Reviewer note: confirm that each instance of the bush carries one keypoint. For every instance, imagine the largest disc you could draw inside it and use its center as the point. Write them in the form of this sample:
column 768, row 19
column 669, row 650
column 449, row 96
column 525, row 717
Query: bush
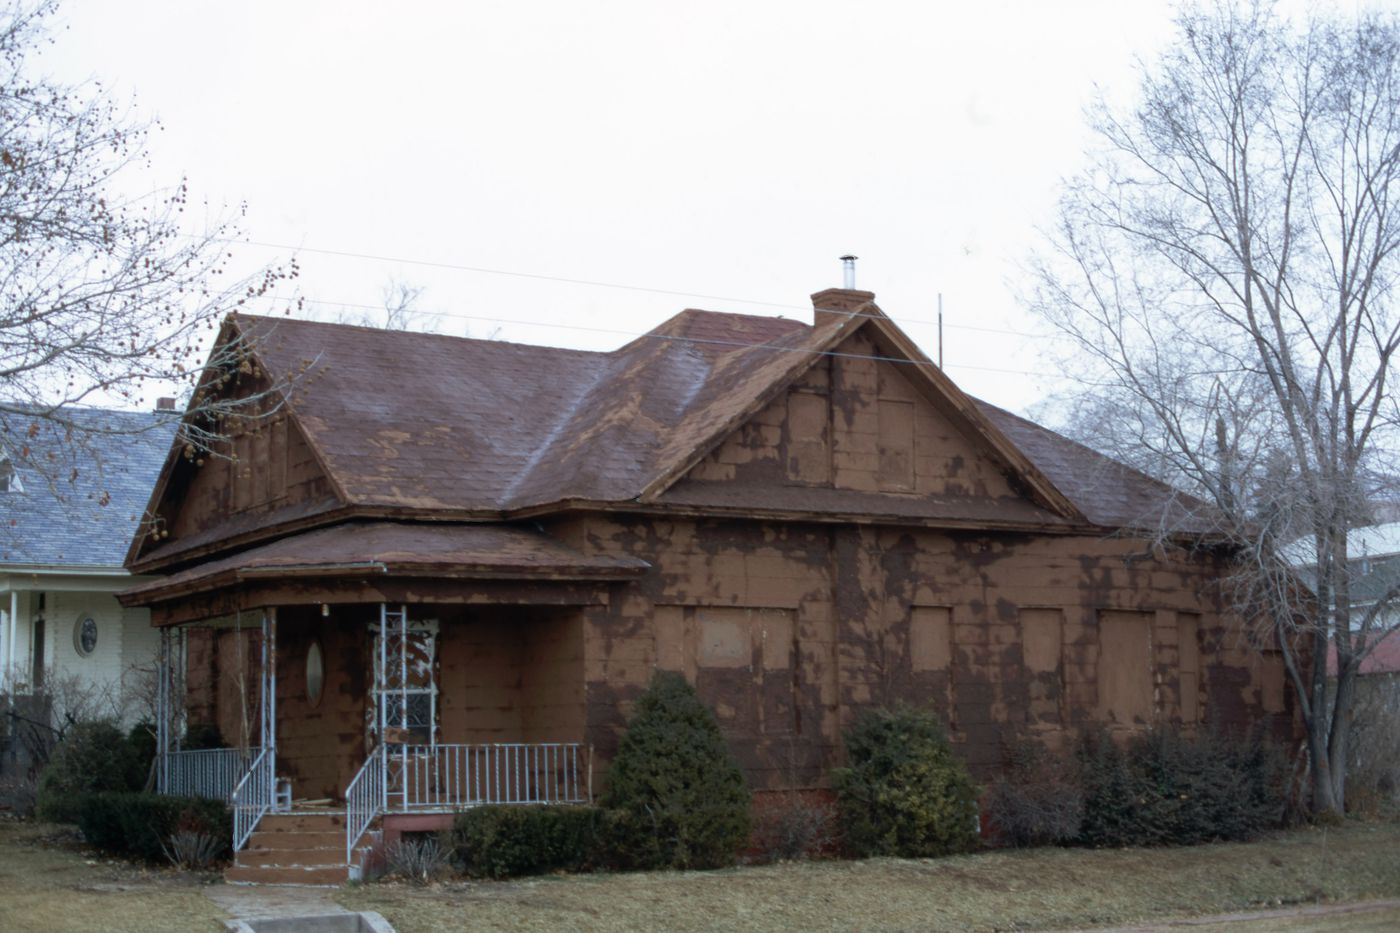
column 1038, row 800
column 93, row 756
column 1373, row 753
column 418, row 858
column 793, row 826
column 505, row 841
column 676, row 797
column 1166, row 789
column 904, row 793
column 142, row 825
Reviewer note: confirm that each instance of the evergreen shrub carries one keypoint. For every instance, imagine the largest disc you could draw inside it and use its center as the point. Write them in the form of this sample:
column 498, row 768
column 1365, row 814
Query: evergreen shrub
column 93, row 756
column 139, row 825
column 1164, row 788
column 675, row 795
column 506, row 841
column 904, row 793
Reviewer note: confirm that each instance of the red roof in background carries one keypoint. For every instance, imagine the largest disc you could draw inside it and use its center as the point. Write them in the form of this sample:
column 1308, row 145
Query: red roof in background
column 1383, row 659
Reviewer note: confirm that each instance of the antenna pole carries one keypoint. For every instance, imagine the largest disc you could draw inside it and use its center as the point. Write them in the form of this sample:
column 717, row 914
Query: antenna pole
column 940, row 330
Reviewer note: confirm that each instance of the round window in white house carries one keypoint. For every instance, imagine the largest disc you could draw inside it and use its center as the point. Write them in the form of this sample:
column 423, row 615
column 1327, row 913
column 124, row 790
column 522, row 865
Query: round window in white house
column 315, row 673
column 85, row 635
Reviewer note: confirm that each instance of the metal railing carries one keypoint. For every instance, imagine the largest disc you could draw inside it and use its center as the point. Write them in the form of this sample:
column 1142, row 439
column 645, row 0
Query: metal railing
column 449, row 777
column 253, row 797
column 207, row 772
column 364, row 800
column 426, row 778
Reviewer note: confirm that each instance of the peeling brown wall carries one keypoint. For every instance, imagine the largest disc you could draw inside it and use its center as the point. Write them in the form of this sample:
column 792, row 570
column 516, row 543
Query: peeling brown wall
column 510, row 675
column 856, row 424
column 790, row 630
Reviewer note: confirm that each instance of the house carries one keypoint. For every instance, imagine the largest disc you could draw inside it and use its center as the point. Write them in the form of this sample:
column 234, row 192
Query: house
column 439, row 570
column 1374, row 565
column 66, row 646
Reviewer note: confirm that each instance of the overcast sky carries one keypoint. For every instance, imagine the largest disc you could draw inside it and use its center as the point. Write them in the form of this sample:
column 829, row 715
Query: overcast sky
column 727, row 151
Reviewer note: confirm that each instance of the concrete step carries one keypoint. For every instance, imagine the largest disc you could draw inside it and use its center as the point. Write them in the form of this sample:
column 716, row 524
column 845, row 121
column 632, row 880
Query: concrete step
column 252, row 874
column 291, row 858
column 295, row 840
column 302, row 823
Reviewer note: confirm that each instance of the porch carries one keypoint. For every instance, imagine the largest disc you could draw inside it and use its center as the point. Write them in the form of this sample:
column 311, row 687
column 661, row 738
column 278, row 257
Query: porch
column 356, row 719
column 377, row 670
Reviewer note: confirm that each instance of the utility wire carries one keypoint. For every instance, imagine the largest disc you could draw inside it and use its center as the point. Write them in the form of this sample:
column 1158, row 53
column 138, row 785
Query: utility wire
column 433, row 264
column 736, row 344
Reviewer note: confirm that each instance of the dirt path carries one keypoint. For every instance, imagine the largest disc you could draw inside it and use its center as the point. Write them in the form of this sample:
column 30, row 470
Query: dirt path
column 1366, row 915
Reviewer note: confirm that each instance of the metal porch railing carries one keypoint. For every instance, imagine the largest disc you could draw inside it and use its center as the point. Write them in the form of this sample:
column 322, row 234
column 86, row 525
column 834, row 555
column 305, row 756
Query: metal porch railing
column 427, row 778
column 207, row 772
column 364, row 800
column 253, row 796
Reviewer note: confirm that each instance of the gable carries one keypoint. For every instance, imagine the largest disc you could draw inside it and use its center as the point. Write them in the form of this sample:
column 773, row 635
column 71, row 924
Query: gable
column 263, row 472
column 860, row 420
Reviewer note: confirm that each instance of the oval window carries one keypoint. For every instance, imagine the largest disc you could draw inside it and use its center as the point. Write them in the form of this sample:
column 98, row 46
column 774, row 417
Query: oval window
column 85, row 635
column 315, row 673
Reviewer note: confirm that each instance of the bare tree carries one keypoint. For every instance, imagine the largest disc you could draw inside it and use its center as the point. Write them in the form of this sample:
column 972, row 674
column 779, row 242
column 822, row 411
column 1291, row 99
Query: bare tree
column 1226, row 266
column 104, row 296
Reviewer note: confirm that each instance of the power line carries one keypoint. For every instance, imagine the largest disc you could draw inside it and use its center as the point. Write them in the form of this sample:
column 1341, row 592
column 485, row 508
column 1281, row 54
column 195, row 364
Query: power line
column 593, row 283
column 693, row 340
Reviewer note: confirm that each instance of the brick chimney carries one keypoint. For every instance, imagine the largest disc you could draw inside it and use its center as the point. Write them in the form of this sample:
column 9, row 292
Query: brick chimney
column 165, row 403
column 839, row 304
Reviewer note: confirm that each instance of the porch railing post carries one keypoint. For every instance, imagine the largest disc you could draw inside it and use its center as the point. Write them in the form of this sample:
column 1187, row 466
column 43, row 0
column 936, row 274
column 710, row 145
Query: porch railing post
column 163, row 715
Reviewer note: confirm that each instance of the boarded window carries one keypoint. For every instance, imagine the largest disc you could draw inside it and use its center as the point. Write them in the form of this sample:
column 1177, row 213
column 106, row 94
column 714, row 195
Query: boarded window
column 1125, row 667
column 930, row 634
column 1188, row 632
column 1042, row 643
column 743, row 663
column 1041, row 637
column 725, row 640
column 1269, row 675
column 809, row 438
column 896, row 444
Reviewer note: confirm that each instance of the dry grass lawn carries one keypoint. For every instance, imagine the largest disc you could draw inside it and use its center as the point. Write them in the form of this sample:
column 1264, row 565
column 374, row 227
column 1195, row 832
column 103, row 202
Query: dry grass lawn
column 1040, row 889
column 49, row 883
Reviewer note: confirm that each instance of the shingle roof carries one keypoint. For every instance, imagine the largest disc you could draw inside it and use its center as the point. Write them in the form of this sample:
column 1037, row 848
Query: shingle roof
column 461, row 428
column 428, row 421
column 81, row 508
column 398, row 548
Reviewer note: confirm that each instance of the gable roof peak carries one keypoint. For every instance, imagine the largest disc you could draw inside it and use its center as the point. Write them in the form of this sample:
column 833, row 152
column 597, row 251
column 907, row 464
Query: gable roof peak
column 841, row 304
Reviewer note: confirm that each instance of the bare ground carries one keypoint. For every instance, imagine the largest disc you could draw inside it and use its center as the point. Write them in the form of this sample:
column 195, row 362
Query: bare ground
column 50, row 882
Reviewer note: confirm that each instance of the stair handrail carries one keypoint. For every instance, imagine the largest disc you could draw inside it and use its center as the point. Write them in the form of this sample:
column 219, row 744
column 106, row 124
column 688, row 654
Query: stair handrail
column 253, row 796
column 366, row 797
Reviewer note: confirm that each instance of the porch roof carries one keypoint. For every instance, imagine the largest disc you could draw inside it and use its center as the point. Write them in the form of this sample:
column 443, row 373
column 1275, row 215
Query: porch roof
column 375, row 548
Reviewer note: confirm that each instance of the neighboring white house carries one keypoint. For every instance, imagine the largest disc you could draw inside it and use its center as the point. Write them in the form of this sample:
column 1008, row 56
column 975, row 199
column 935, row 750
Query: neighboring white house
column 64, row 532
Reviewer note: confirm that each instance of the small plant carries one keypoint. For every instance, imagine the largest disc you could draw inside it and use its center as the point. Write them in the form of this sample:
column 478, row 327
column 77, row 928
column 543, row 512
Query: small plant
column 419, row 858
column 676, row 797
column 192, row 850
column 793, row 826
column 904, row 793
column 1038, row 800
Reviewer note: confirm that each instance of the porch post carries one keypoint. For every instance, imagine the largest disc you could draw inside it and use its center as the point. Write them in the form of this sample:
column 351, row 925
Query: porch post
column 381, row 684
column 163, row 714
column 267, row 685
